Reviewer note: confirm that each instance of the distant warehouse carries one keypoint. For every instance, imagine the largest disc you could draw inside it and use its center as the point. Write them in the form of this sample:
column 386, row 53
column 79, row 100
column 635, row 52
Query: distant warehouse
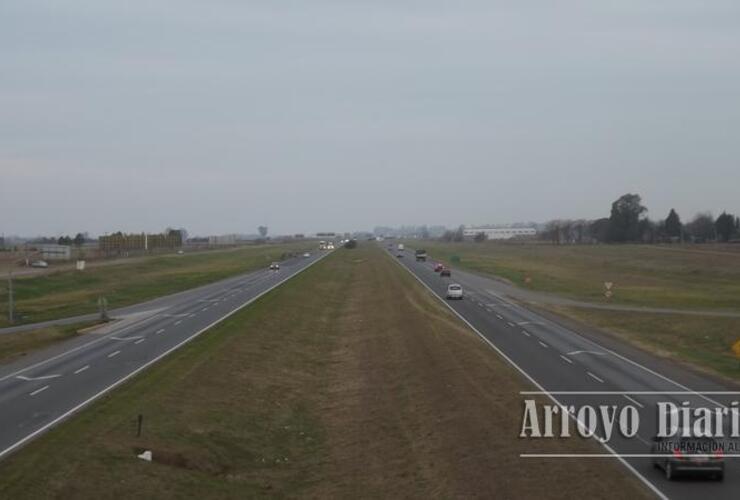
column 118, row 243
column 500, row 233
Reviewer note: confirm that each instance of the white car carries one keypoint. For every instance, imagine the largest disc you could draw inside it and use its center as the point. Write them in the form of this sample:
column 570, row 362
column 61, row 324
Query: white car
column 40, row 263
column 306, row 255
column 454, row 291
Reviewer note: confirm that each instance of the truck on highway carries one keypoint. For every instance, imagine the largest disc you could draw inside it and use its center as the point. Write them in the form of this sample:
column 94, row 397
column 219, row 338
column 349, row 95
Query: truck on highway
column 400, row 247
column 421, row 255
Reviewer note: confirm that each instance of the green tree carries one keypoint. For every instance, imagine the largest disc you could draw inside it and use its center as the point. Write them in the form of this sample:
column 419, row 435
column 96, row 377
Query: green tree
column 263, row 231
column 79, row 239
column 725, row 226
column 702, row 227
column 624, row 221
column 673, row 226
column 480, row 237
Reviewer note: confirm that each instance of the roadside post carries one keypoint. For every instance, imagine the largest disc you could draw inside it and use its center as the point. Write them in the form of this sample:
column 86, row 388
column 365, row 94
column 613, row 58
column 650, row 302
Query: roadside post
column 10, row 298
column 103, row 308
column 608, row 285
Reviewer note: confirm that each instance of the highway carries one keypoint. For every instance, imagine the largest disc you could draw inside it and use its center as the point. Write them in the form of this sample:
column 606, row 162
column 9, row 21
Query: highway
column 579, row 369
column 49, row 386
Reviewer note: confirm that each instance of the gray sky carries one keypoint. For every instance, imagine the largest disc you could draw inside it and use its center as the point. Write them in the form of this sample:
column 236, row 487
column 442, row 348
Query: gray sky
column 338, row 115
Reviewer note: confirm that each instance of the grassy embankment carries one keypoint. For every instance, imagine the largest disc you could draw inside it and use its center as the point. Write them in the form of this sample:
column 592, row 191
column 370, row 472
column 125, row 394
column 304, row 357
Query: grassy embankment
column 679, row 277
column 69, row 293
column 15, row 345
column 349, row 381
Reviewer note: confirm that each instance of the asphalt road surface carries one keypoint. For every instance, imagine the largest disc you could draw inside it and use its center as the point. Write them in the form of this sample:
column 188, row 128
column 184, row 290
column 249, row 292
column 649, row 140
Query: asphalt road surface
column 602, row 370
column 45, row 388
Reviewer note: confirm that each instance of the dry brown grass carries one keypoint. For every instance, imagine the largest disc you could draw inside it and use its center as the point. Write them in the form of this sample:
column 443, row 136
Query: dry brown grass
column 351, row 381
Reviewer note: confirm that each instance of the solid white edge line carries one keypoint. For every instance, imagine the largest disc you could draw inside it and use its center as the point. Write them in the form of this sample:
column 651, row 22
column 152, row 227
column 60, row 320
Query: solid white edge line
column 120, row 381
column 629, row 467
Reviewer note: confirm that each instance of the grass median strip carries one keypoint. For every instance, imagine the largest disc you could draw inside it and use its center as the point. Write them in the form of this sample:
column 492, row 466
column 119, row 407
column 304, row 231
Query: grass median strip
column 350, row 380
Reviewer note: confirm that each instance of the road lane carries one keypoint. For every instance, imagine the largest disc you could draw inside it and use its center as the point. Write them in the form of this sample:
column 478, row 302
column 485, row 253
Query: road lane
column 40, row 392
column 576, row 370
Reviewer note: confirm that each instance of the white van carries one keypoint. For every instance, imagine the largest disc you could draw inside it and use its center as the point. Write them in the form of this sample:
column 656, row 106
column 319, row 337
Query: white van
column 454, row 291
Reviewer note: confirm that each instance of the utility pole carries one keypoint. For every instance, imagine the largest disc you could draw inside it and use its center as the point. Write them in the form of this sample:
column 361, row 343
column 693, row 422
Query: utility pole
column 10, row 297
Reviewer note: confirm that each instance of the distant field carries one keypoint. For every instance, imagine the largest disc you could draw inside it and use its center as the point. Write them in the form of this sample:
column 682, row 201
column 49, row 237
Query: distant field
column 350, row 381
column 69, row 293
column 690, row 277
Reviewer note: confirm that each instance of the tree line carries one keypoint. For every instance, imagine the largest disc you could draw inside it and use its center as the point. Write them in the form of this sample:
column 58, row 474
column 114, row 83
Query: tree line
column 628, row 223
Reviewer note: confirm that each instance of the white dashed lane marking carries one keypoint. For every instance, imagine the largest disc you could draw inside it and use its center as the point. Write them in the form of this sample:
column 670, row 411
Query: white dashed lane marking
column 37, row 391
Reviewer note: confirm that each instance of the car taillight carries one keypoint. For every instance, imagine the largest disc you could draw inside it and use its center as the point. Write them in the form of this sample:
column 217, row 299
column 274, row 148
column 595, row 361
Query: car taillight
column 719, row 453
column 677, row 454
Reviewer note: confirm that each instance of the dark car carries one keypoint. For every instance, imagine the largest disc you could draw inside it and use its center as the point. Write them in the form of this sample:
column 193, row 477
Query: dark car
column 689, row 455
column 446, row 272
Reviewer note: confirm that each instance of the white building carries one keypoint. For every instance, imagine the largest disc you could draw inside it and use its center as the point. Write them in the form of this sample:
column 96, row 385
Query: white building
column 500, row 233
column 224, row 239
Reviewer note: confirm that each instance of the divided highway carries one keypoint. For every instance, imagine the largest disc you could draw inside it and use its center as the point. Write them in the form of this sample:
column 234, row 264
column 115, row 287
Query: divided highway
column 43, row 390
column 575, row 369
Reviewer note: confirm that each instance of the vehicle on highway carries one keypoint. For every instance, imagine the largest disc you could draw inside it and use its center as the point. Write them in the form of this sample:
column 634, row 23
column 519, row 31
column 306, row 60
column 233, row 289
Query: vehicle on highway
column 274, row 266
column 40, row 263
column 438, row 267
column 689, row 455
column 454, row 291
column 421, row 255
column 445, row 272
column 306, row 255
column 399, row 254
column 400, row 247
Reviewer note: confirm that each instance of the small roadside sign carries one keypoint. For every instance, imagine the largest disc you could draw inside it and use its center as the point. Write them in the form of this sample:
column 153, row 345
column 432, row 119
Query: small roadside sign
column 736, row 348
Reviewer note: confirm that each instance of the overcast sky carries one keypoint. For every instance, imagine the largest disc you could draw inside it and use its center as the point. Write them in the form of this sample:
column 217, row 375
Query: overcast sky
column 222, row 115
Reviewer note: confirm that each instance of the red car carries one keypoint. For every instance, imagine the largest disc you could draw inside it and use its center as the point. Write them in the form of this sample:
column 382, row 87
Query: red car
column 438, row 267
